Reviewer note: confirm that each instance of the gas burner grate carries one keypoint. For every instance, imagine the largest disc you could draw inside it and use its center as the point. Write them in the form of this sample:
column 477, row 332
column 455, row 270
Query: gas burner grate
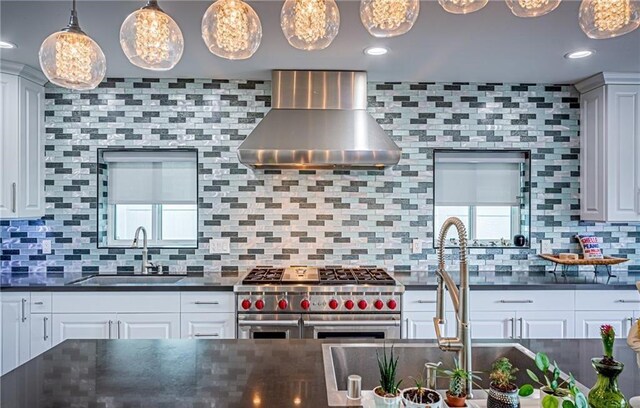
column 336, row 275
column 373, row 275
column 264, row 275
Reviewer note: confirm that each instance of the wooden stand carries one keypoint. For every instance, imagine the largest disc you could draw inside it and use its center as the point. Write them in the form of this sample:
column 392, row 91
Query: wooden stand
column 565, row 264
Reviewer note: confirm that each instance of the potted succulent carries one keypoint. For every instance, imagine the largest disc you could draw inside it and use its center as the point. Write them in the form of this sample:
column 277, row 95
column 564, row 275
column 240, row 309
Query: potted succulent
column 419, row 396
column 503, row 393
column 456, row 394
column 554, row 393
column 387, row 394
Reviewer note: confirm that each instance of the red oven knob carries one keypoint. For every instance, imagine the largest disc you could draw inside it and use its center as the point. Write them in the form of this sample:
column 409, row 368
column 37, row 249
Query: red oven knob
column 362, row 304
column 333, row 304
column 305, row 304
column 259, row 304
column 392, row 304
column 246, row 304
column 282, row 304
column 349, row 304
column 378, row 304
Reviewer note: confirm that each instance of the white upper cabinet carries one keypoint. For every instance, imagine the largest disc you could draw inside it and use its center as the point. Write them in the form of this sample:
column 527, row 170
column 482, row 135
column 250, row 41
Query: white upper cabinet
column 21, row 141
column 610, row 147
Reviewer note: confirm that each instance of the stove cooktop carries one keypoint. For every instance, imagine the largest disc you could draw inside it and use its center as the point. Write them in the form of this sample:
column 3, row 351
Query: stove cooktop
column 319, row 276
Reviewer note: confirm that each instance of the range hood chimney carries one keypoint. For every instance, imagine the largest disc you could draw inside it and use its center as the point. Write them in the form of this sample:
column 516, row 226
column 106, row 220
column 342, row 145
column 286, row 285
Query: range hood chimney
column 318, row 120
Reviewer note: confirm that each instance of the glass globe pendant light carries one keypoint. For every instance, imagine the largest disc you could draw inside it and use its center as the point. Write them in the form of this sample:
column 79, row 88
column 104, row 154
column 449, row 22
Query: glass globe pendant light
column 71, row 59
column 231, row 29
column 608, row 18
column 462, row 6
column 151, row 39
column 310, row 24
column 388, row 18
column 532, row 8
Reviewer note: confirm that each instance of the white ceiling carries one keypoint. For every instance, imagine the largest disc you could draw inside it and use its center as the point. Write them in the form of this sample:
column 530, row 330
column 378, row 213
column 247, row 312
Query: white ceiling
column 491, row 45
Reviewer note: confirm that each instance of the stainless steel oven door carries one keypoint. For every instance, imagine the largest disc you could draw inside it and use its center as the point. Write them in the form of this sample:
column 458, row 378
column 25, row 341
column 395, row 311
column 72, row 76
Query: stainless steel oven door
column 269, row 326
column 350, row 326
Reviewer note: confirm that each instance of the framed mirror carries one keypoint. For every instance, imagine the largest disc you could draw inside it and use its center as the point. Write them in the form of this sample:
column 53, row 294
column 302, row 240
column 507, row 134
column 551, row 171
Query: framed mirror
column 489, row 190
column 153, row 188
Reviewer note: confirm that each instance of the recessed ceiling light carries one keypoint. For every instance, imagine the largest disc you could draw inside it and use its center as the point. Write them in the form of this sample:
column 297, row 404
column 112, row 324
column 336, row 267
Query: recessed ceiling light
column 375, row 51
column 7, row 45
column 579, row 54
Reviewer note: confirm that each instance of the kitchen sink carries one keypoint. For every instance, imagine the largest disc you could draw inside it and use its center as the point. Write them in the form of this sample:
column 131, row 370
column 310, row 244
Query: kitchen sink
column 342, row 360
column 128, row 280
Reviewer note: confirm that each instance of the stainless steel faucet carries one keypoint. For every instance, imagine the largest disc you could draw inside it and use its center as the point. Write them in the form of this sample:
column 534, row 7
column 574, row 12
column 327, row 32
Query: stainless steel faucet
column 146, row 265
column 461, row 343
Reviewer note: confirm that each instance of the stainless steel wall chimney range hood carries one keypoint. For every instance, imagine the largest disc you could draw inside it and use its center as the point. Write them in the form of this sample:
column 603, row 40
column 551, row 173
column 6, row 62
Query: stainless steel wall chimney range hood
column 318, row 120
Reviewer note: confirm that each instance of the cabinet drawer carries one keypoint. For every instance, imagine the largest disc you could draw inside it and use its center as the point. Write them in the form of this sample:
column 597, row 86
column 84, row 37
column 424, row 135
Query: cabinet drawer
column 607, row 300
column 423, row 301
column 516, row 300
column 131, row 302
column 40, row 302
column 194, row 302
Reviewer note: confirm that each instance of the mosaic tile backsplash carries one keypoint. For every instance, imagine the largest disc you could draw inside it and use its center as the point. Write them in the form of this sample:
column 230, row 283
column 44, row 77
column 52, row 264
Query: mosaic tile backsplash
column 307, row 217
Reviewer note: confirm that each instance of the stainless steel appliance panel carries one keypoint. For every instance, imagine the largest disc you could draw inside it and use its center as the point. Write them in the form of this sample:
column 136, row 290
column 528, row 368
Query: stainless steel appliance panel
column 335, row 326
column 269, row 326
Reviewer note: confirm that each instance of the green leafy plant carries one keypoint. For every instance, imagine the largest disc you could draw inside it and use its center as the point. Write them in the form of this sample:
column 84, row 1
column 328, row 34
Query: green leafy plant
column 553, row 386
column 502, row 375
column 421, row 394
column 388, row 366
column 457, row 378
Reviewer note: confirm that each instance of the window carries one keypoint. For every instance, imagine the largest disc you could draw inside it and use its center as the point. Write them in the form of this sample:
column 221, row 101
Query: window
column 156, row 189
column 487, row 190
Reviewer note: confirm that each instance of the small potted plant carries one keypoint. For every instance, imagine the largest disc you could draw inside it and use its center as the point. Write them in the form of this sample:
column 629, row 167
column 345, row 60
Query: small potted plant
column 387, row 394
column 456, row 394
column 419, row 396
column 605, row 393
column 554, row 392
column 503, row 393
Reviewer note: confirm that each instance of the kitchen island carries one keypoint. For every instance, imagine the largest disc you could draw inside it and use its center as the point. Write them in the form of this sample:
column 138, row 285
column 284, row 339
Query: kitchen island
column 221, row 373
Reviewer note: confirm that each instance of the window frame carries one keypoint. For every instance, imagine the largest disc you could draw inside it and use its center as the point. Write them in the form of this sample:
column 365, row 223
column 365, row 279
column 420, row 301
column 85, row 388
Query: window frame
column 152, row 242
column 525, row 201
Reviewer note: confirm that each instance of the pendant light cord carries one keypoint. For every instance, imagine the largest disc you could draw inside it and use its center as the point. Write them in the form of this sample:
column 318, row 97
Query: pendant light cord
column 73, row 20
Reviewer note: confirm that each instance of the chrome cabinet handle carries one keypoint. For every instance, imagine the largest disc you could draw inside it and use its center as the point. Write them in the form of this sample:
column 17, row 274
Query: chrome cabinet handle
column 268, row 322
column 206, row 335
column 46, row 336
column 38, row 303
column 14, row 206
column 199, row 302
column 110, row 324
column 118, row 328
column 627, row 301
column 352, row 323
column 23, row 308
column 521, row 327
column 513, row 328
column 516, row 301
column 425, row 301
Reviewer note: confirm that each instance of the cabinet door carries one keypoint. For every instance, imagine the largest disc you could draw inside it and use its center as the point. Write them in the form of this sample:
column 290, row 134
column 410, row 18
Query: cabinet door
column 148, row 326
column 592, row 155
column 588, row 323
column 208, row 326
column 419, row 325
column 83, row 326
column 546, row 325
column 492, row 325
column 40, row 333
column 9, row 146
column 14, row 337
column 31, row 159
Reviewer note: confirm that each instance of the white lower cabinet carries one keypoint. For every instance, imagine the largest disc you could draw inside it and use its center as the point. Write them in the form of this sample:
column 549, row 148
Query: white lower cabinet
column 419, row 325
column 148, row 326
column 492, row 325
column 83, row 326
column 545, row 325
column 588, row 322
column 14, row 336
column 208, row 326
column 41, row 339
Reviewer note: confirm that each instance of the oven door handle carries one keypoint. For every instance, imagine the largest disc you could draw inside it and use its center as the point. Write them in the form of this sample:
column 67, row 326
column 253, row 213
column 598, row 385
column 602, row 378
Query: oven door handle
column 351, row 323
column 268, row 322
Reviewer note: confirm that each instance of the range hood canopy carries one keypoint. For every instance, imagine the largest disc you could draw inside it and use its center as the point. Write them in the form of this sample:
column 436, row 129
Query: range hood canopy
column 318, row 120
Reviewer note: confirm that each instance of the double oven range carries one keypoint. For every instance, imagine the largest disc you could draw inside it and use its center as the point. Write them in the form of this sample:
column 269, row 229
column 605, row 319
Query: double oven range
column 318, row 303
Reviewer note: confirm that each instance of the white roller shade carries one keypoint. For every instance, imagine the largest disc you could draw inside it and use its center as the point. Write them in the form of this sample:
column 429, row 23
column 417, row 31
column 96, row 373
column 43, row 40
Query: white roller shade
column 478, row 183
column 154, row 177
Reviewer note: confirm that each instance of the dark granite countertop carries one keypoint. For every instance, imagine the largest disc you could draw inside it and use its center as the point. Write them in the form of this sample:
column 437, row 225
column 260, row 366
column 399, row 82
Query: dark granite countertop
column 428, row 281
column 219, row 373
column 197, row 282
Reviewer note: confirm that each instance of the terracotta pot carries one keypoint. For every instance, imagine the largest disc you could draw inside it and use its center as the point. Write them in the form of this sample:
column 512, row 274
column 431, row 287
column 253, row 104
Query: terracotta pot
column 454, row 401
column 385, row 402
